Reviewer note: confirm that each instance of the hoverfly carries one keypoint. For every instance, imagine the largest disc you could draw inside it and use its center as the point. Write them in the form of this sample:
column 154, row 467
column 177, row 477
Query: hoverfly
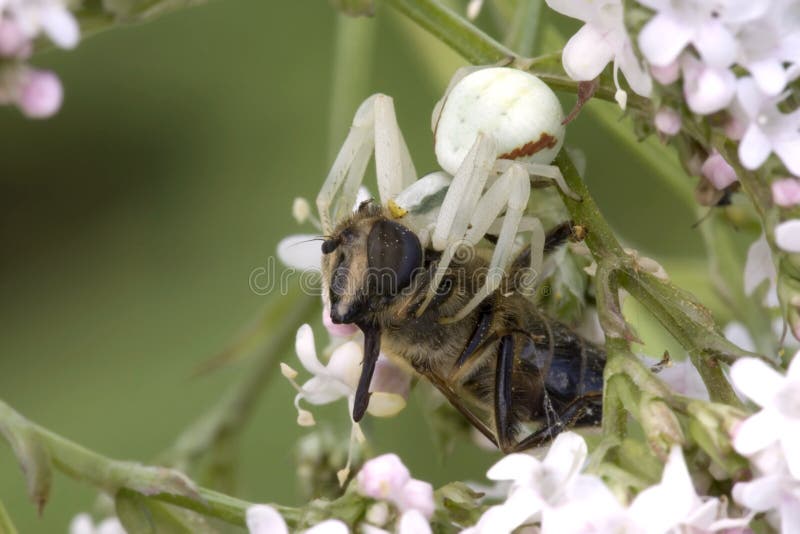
column 402, row 272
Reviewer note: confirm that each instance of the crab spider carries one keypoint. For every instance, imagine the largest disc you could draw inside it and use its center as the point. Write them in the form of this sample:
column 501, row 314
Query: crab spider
column 496, row 130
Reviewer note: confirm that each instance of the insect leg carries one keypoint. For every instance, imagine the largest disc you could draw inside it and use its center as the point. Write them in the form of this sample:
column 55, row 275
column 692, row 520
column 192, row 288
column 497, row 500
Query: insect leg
column 504, row 423
column 551, row 173
column 574, row 411
column 456, row 402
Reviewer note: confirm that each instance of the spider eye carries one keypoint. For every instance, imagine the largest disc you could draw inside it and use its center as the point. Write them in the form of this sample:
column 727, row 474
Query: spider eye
column 329, row 245
column 393, row 253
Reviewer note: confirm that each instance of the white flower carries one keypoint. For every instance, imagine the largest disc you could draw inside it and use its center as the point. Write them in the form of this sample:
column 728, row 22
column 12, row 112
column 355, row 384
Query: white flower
column 601, row 40
column 336, row 380
column 768, row 129
column 673, row 504
column 83, row 524
column 769, row 42
column 535, row 484
column 706, row 25
column 707, row 89
column 386, row 478
column 44, row 16
column 413, row 522
column 779, row 419
column 775, row 492
column 787, row 235
column 383, row 477
column 758, row 268
column 264, row 519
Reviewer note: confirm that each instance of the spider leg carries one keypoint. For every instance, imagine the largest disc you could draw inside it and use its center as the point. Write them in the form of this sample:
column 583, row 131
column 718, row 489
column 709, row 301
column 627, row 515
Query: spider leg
column 550, row 173
column 374, row 128
column 458, row 204
column 510, row 191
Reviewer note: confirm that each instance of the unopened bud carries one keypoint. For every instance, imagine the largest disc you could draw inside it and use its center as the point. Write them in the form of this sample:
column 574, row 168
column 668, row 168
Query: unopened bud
column 661, row 426
column 378, row 514
column 301, row 210
column 667, row 121
column 786, row 192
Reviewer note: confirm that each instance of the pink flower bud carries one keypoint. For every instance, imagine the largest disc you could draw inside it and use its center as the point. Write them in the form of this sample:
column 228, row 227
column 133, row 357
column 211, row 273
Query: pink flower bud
column 13, row 42
column 718, row 171
column 336, row 330
column 667, row 74
column 667, row 121
column 40, row 94
column 383, row 477
column 417, row 495
column 786, row 192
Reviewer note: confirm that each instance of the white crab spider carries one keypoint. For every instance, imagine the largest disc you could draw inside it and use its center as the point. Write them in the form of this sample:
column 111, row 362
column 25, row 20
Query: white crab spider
column 495, row 130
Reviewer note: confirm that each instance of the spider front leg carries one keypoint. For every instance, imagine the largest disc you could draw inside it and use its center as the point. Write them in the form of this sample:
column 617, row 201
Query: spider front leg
column 374, row 128
column 510, row 192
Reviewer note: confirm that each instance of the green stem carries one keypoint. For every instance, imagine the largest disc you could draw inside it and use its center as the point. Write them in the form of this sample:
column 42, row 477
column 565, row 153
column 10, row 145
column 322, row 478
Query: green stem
column 109, row 475
column 480, row 49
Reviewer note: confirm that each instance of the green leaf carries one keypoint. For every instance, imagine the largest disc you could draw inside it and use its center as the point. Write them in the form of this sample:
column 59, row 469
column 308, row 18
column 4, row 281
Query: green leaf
column 31, row 454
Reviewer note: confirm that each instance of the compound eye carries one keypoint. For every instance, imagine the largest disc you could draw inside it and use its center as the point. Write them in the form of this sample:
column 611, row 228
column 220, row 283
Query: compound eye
column 394, row 253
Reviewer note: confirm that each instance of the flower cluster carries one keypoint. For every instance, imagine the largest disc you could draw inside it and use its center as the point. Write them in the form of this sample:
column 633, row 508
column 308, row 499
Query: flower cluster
column 771, row 440
column 37, row 93
column 555, row 494
column 384, row 479
column 735, row 59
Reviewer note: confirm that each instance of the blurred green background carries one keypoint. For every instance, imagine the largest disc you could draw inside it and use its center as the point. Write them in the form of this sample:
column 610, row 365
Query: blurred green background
column 129, row 225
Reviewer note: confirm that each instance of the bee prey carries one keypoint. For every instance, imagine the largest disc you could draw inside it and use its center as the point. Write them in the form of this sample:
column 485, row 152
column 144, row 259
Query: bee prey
column 406, row 274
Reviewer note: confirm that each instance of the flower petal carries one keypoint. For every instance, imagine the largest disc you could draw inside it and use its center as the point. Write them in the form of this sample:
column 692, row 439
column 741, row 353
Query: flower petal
column 789, row 152
column 81, row 524
column 516, row 466
column 749, row 96
column 637, row 76
column 757, row 432
column 385, row 404
column 413, row 522
column 60, row 26
column 756, row 380
column 417, row 495
column 716, row 44
column 755, row 147
column 329, row 526
column 759, row 267
column 787, row 235
column 663, row 38
column 300, row 251
column 566, row 456
column 790, row 441
column 306, row 351
column 708, row 89
column 586, row 54
column 759, row 494
column 264, row 519
column 769, row 74
column 789, row 509
column 345, row 363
